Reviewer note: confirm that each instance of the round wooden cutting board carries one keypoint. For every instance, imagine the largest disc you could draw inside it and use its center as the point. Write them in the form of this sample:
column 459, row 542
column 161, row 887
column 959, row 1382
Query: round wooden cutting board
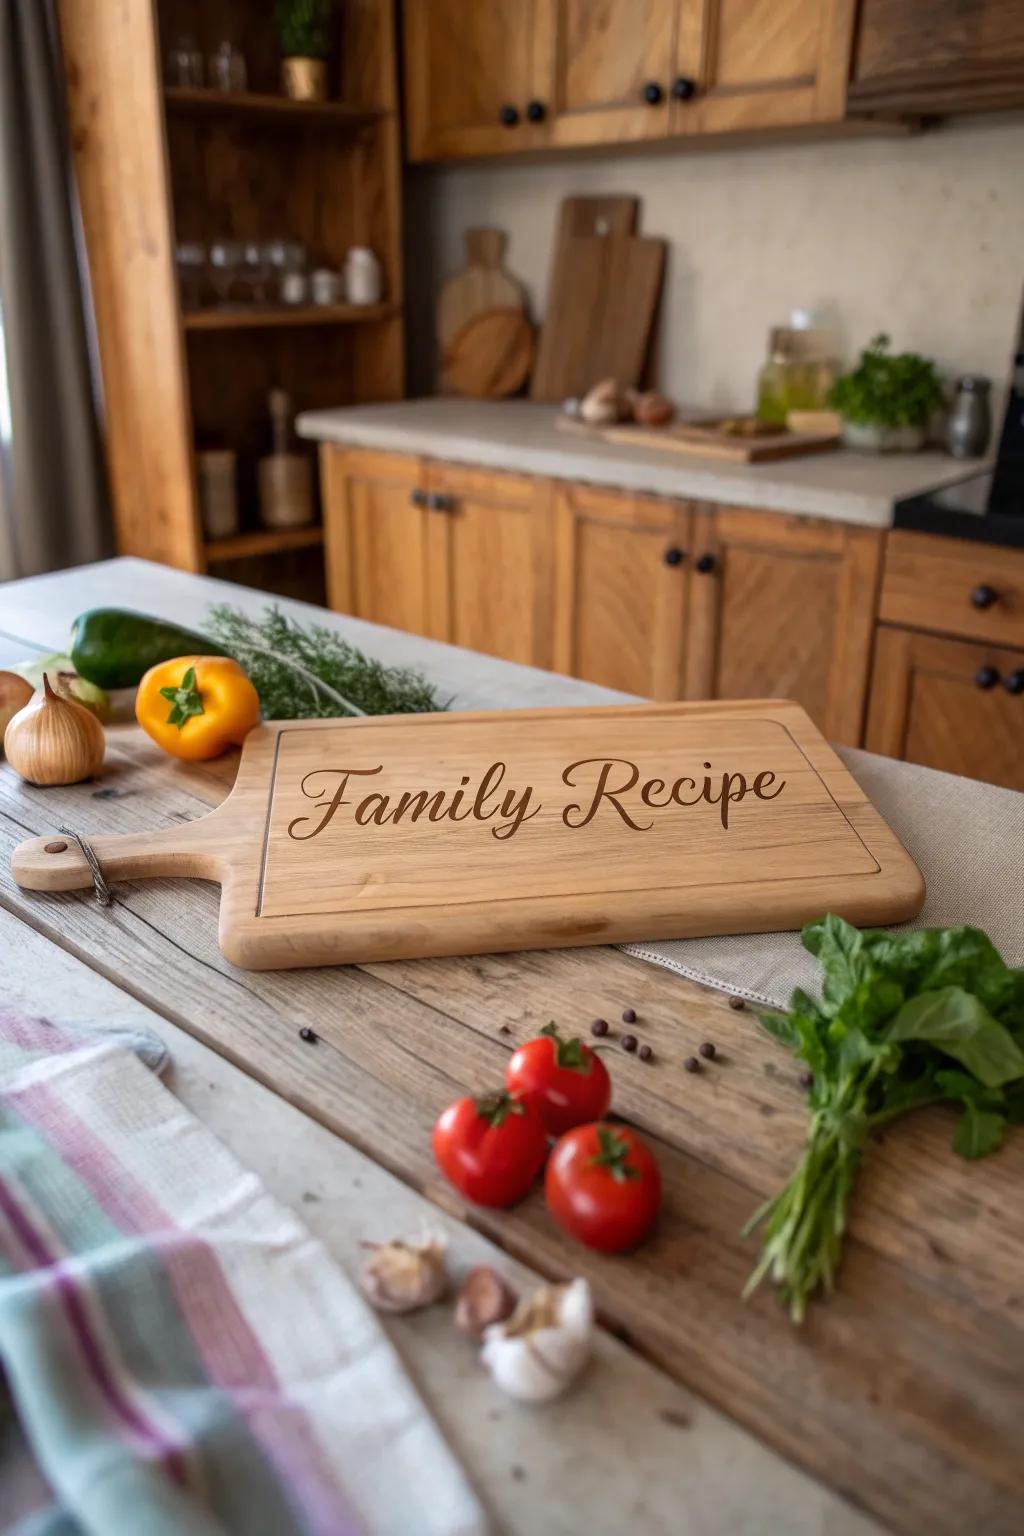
column 491, row 357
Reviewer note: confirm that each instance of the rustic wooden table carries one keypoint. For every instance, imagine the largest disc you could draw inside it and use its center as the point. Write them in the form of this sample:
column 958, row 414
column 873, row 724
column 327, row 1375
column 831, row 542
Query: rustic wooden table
column 902, row 1395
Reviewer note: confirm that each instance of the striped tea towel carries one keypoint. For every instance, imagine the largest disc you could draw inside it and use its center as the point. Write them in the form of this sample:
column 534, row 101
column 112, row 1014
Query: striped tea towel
column 183, row 1357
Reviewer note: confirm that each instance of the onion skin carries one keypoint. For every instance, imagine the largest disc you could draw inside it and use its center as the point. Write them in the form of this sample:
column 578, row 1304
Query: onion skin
column 54, row 741
column 15, row 692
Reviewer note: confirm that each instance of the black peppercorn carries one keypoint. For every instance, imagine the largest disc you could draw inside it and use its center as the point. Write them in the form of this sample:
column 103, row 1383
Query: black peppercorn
column 628, row 1042
column 737, row 1002
column 309, row 1035
column 691, row 1064
column 629, row 1015
column 707, row 1050
column 599, row 1027
column 645, row 1053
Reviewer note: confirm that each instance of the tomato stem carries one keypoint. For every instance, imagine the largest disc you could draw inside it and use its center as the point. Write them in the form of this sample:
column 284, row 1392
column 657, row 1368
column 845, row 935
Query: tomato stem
column 495, row 1108
column 615, row 1149
column 572, row 1054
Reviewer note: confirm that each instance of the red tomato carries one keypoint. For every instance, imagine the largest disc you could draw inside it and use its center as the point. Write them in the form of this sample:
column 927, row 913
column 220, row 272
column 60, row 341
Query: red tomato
column 564, row 1078
column 491, row 1149
column 603, row 1186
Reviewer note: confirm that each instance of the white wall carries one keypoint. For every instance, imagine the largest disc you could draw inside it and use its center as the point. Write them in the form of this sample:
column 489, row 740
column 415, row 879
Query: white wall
column 922, row 237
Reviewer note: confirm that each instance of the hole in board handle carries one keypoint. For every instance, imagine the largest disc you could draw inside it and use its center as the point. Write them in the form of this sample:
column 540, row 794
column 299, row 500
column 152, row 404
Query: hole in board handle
column 56, row 848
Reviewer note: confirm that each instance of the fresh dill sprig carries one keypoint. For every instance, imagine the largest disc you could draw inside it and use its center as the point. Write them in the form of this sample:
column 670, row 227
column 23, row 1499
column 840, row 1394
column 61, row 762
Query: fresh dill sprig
column 312, row 673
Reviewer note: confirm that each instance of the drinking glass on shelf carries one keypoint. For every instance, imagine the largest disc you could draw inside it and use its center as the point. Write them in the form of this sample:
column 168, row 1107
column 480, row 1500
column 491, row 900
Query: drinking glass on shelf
column 227, row 68
column 185, row 63
column 287, row 262
column 191, row 262
column 255, row 271
column 226, row 258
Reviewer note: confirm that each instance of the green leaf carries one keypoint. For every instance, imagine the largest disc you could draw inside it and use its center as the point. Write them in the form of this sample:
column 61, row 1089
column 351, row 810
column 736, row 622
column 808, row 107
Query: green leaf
column 185, row 700
column 840, row 949
column 979, row 1132
column 779, row 1025
column 959, row 1025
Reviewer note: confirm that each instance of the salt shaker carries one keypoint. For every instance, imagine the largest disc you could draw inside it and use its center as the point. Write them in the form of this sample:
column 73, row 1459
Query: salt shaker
column 363, row 281
column 970, row 418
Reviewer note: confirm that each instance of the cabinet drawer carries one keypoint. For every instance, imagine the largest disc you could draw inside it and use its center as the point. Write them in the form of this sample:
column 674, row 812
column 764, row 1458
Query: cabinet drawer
column 955, row 587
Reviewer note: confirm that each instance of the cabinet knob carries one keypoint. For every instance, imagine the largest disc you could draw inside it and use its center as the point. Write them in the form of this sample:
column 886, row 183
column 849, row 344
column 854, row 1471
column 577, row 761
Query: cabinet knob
column 683, row 88
column 986, row 677
column 653, row 93
column 705, row 564
column 438, row 503
column 536, row 111
column 1013, row 682
column 983, row 596
column 418, row 497
column 674, row 556
column 508, row 117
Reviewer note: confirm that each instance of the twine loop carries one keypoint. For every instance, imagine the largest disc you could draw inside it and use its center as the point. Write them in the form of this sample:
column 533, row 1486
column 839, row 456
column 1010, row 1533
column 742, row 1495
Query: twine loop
column 100, row 886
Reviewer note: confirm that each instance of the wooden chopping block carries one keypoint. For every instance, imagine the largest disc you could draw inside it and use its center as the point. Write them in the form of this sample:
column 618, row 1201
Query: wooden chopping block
column 491, row 357
column 600, row 326
column 482, row 286
column 579, row 216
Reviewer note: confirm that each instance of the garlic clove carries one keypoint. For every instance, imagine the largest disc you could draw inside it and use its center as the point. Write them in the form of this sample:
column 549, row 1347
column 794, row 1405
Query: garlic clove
column 53, row 740
column 543, row 1347
column 15, row 693
column 485, row 1297
column 405, row 1274
column 601, row 405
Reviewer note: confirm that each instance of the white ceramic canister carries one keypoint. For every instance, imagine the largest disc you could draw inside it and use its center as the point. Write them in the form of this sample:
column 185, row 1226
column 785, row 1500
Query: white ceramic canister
column 363, row 276
column 325, row 286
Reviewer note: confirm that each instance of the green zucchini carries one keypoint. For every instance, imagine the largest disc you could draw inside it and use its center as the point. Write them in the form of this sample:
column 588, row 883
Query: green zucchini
column 115, row 647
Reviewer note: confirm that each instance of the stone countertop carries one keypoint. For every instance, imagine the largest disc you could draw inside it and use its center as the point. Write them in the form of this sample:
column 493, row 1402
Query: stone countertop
column 520, row 436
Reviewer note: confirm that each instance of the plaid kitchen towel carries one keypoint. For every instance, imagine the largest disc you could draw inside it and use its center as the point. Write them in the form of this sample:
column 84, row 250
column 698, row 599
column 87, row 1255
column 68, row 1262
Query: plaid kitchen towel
column 184, row 1358
column 966, row 838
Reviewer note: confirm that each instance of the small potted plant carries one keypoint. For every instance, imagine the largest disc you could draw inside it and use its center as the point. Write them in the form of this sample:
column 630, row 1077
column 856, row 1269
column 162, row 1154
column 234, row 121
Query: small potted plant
column 304, row 28
column 887, row 402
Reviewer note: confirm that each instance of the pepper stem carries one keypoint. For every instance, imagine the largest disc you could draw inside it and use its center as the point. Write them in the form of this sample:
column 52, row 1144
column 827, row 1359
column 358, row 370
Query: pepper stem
column 185, row 700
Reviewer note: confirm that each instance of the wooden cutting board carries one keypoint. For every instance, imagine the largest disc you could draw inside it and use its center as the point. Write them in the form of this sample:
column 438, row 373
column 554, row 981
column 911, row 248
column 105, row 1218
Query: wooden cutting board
column 483, row 285
column 580, row 218
column 710, row 441
column 463, row 833
column 491, row 356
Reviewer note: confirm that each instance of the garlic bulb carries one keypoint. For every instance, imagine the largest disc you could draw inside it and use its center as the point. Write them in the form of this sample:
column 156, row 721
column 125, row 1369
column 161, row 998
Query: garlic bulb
column 405, row 1274
column 15, row 693
column 485, row 1297
column 53, row 741
column 544, row 1345
column 601, row 405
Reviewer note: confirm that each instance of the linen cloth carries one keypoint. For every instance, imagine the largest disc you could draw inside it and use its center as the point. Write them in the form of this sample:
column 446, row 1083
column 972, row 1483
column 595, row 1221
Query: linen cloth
column 966, row 838
column 184, row 1357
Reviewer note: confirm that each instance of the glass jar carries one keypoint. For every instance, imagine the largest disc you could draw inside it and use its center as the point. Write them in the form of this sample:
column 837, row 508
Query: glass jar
column 970, row 418
column 227, row 68
column 185, row 63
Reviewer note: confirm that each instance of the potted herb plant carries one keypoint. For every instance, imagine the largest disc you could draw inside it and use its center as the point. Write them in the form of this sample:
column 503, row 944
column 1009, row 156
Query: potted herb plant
column 304, row 28
column 887, row 401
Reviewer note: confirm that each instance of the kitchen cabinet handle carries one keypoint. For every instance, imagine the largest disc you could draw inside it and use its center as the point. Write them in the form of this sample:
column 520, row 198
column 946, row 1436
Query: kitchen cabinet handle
column 653, row 93
column 983, row 596
column 418, row 497
column 438, row 503
column 986, row 677
column 536, row 111
column 508, row 117
column 683, row 88
column 674, row 556
column 1013, row 682
column 705, row 564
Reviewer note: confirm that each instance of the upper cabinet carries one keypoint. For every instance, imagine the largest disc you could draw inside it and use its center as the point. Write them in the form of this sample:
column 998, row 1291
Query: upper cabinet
column 534, row 74
column 938, row 56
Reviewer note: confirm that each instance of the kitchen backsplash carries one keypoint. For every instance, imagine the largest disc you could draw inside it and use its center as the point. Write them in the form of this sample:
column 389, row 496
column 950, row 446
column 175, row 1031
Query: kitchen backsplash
column 920, row 236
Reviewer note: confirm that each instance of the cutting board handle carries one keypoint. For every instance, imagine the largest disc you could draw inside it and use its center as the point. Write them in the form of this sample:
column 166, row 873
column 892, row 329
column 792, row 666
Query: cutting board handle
column 56, row 863
column 485, row 247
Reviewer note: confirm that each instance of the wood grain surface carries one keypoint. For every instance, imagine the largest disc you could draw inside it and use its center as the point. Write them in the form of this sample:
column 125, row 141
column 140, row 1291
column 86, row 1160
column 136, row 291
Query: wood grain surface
column 903, row 1391
column 709, row 441
column 491, row 356
column 482, row 285
column 476, row 832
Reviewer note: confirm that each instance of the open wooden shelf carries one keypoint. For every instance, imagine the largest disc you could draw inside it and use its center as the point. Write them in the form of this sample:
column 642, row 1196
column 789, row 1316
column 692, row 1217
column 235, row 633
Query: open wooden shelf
column 263, row 541
column 286, row 315
column 263, row 107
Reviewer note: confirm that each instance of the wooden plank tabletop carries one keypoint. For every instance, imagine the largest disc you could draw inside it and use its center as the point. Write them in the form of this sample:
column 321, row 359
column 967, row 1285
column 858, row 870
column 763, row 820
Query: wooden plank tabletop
column 903, row 1392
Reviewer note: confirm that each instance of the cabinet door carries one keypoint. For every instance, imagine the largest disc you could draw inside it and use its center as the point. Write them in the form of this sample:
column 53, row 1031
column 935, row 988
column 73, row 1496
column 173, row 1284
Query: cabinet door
column 761, row 64
column 609, row 69
column 490, row 562
column 938, row 55
column 784, row 607
column 375, row 537
column 468, row 64
column 949, row 704
column 622, row 573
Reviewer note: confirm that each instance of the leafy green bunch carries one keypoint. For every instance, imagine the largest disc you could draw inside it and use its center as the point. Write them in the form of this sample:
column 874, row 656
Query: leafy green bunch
column 888, row 391
column 304, row 28
column 904, row 1020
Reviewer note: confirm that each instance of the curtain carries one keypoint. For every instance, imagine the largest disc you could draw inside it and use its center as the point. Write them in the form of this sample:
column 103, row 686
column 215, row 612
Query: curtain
column 53, row 499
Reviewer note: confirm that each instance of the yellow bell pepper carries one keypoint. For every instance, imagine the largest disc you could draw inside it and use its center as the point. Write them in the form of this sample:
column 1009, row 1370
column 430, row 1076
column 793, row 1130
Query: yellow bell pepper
column 197, row 707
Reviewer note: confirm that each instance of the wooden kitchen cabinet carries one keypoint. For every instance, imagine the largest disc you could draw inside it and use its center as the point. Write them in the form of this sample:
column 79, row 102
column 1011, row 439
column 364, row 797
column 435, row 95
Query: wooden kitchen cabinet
column 622, row 574
column 375, row 538
column 951, row 704
column 937, row 56
column 783, row 607
column 607, row 69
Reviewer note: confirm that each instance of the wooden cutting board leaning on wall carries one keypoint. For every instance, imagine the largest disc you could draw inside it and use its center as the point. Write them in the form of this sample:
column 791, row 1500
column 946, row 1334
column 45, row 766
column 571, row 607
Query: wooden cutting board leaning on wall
column 465, row 833
column 482, row 286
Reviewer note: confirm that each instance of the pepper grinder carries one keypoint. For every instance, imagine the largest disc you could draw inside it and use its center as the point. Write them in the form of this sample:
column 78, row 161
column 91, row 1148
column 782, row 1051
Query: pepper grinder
column 285, row 478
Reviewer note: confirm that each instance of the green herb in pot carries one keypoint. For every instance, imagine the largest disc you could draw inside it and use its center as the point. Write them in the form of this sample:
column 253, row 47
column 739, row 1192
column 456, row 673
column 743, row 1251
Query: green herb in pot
column 888, row 392
column 904, row 1020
